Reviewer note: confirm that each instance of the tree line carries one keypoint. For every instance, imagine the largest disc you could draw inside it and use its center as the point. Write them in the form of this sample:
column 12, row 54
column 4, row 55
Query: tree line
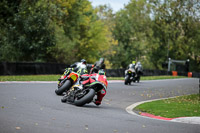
column 65, row 31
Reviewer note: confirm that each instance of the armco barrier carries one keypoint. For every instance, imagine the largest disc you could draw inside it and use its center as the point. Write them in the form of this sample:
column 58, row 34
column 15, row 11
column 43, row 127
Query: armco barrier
column 195, row 74
column 147, row 72
column 121, row 72
column 20, row 68
column 115, row 72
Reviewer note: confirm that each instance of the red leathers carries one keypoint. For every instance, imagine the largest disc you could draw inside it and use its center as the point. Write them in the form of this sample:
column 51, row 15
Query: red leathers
column 92, row 78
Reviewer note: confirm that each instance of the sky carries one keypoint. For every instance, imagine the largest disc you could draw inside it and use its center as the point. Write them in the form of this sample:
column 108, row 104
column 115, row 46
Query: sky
column 116, row 5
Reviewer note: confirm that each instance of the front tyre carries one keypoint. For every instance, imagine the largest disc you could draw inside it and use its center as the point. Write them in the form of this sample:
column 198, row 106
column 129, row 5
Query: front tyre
column 66, row 86
column 127, row 78
column 87, row 98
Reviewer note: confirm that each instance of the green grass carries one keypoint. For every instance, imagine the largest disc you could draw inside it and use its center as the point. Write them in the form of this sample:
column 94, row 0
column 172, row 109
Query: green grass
column 30, row 78
column 55, row 78
column 183, row 106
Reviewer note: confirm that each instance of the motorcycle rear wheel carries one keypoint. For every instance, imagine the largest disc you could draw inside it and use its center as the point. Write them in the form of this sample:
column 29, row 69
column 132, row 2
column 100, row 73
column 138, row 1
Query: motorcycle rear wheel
column 66, row 86
column 85, row 99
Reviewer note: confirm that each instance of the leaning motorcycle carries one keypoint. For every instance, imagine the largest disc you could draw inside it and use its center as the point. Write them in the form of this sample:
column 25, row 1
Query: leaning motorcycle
column 130, row 76
column 68, row 79
column 80, row 95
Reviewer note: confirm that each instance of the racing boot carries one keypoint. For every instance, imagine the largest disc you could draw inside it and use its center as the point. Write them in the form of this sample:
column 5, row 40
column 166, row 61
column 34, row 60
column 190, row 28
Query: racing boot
column 64, row 99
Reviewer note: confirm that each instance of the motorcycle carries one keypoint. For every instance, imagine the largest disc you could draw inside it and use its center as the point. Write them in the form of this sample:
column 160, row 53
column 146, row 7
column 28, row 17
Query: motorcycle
column 133, row 73
column 68, row 79
column 129, row 76
column 80, row 95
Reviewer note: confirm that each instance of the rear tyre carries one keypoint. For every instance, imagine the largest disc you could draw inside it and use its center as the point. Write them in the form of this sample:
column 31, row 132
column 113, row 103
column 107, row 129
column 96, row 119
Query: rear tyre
column 85, row 99
column 66, row 86
column 138, row 79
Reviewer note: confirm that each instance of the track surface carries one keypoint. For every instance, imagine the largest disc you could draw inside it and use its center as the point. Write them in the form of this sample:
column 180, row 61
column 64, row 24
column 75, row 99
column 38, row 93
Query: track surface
column 35, row 108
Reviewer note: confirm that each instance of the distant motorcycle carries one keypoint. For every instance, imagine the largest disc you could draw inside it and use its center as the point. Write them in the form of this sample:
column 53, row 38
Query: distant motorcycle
column 139, row 71
column 130, row 76
column 79, row 95
column 133, row 74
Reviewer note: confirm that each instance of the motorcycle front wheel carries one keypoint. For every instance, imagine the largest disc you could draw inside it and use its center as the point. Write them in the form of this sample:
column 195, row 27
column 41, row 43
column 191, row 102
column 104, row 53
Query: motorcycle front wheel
column 66, row 86
column 87, row 98
column 127, row 78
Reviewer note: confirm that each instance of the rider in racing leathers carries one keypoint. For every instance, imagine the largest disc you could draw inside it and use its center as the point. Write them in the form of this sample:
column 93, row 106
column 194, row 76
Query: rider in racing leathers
column 75, row 67
column 89, row 78
column 98, row 65
column 92, row 77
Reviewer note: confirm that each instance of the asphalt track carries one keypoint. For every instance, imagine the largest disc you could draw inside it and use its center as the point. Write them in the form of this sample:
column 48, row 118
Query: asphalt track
column 33, row 107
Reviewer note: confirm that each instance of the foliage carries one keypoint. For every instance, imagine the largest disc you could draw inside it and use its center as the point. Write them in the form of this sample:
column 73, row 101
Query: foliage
column 176, row 26
column 66, row 31
column 84, row 35
column 132, row 26
column 153, row 31
column 28, row 33
column 105, row 15
column 58, row 31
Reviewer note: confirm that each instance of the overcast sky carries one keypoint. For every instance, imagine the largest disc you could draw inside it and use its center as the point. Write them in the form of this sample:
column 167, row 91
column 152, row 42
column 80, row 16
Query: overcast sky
column 116, row 5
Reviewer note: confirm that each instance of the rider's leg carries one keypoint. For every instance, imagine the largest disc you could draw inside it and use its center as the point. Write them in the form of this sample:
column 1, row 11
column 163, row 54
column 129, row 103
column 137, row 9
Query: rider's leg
column 100, row 96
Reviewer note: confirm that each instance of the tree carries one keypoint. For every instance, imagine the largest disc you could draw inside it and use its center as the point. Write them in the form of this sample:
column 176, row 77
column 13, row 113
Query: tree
column 132, row 26
column 174, row 23
column 28, row 33
column 106, row 16
column 86, row 36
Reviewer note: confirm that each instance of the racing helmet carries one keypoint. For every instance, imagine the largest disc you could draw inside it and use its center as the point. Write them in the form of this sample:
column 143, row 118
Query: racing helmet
column 83, row 61
column 101, row 60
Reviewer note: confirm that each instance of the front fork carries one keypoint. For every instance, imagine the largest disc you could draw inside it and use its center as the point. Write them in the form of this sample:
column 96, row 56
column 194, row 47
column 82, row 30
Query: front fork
column 63, row 77
column 70, row 95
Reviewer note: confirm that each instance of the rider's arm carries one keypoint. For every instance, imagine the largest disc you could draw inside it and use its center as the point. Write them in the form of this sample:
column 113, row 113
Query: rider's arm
column 89, row 65
column 103, row 66
column 73, row 65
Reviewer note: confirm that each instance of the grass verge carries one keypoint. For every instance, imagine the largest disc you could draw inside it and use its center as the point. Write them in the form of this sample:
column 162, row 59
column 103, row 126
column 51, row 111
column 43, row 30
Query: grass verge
column 55, row 78
column 30, row 78
column 182, row 106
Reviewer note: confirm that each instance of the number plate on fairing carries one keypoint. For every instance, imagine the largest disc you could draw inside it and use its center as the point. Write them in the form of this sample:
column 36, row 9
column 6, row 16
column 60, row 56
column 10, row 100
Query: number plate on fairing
column 73, row 77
